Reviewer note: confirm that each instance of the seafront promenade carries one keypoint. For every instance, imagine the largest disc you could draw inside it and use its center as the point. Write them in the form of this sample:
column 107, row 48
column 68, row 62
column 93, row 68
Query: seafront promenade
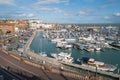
column 53, row 63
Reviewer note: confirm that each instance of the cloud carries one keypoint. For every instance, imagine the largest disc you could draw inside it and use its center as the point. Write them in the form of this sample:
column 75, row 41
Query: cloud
column 45, row 9
column 117, row 14
column 26, row 15
column 67, row 14
column 30, row 15
column 45, row 5
column 50, row 2
column 82, row 13
column 55, row 10
column 7, row 3
column 21, row 15
column 106, row 17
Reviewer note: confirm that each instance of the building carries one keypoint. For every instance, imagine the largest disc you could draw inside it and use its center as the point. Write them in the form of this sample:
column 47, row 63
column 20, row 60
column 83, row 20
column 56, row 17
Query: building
column 22, row 24
column 47, row 26
column 7, row 28
column 35, row 24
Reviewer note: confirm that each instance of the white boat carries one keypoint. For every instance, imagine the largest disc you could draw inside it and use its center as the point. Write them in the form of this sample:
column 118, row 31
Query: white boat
column 55, row 40
column 89, row 38
column 63, row 44
column 91, row 63
column 64, row 57
column 43, row 54
column 97, row 48
column 70, row 40
column 44, row 36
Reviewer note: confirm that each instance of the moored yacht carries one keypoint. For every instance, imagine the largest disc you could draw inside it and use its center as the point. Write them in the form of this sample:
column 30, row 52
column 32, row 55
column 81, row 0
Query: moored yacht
column 91, row 63
column 97, row 48
column 57, row 39
column 63, row 45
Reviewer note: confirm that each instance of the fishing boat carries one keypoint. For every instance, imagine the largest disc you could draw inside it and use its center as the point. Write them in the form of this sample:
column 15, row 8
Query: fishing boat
column 91, row 63
column 64, row 57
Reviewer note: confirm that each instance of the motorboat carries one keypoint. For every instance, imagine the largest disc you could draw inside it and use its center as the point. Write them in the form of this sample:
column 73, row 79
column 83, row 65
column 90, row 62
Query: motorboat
column 63, row 45
column 91, row 63
column 64, row 57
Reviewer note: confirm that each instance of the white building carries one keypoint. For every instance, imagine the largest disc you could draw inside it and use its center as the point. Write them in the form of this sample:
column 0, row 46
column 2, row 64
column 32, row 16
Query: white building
column 35, row 24
column 47, row 26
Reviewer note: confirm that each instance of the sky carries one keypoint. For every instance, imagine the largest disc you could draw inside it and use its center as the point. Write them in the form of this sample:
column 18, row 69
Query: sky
column 62, row 11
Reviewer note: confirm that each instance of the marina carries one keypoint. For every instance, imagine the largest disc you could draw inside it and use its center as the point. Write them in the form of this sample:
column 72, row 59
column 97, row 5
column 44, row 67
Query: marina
column 81, row 53
column 60, row 40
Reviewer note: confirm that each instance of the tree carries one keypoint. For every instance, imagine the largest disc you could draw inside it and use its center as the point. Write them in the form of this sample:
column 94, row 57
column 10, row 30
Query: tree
column 8, row 32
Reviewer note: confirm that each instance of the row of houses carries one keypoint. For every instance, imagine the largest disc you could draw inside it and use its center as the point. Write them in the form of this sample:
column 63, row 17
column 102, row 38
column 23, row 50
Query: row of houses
column 13, row 26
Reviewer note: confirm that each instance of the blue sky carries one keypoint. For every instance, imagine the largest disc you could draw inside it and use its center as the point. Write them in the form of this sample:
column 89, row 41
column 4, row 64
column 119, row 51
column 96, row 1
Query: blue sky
column 62, row 11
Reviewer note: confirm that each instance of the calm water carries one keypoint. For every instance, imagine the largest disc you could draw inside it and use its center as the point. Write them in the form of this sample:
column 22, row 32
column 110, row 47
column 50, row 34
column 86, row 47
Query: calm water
column 109, row 56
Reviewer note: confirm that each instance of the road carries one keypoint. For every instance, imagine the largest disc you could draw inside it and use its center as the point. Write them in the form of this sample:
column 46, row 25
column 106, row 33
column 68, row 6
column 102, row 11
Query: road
column 8, row 61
